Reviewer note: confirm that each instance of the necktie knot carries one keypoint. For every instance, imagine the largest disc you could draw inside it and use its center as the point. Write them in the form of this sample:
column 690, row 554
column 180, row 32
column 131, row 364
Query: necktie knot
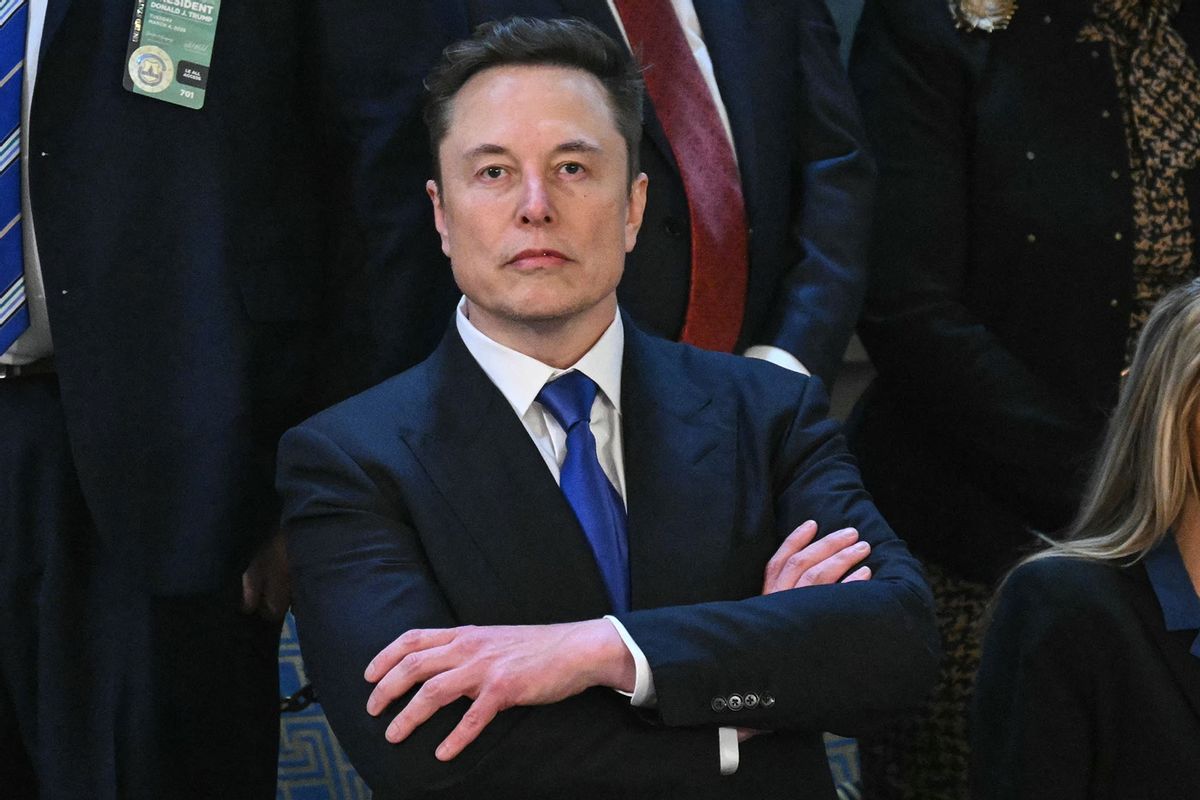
column 569, row 399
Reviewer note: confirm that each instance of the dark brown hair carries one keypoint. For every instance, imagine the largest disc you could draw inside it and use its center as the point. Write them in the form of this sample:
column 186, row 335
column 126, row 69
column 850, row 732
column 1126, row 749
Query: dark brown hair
column 573, row 43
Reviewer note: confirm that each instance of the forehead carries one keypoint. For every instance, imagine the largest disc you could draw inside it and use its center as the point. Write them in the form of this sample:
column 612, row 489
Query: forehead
column 515, row 102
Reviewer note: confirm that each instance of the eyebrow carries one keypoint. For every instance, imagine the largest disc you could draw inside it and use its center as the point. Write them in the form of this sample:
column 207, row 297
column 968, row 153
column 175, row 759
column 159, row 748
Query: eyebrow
column 570, row 146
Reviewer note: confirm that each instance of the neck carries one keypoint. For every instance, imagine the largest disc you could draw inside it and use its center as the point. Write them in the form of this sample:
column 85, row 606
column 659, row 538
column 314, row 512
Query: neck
column 559, row 341
column 1187, row 536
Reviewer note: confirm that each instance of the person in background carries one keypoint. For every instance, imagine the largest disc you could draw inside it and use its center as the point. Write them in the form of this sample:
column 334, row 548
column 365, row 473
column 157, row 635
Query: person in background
column 760, row 188
column 1090, row 680
column 162, row 274
column 556, row 505
column 1037, row 195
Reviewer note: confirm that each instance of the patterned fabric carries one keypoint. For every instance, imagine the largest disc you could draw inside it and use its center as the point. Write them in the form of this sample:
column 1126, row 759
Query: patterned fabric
column 716, row 207
column 14, row 313
column 927, row 758
column 1159, row 89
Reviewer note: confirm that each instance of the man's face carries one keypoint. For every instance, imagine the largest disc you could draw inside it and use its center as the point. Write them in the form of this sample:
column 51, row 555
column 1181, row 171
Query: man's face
column 535, row 210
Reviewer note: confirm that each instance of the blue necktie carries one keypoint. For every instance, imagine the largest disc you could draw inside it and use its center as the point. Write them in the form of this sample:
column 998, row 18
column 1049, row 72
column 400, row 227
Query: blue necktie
column 589, row 493
column 14, row 314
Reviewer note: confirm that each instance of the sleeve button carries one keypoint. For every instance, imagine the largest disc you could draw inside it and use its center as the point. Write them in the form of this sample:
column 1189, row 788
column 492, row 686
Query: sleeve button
column 735, row 702
column 719, row 704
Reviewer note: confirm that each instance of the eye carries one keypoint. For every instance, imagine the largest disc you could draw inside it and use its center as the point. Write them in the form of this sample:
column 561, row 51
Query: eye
column 572, row 168
column 492, row 173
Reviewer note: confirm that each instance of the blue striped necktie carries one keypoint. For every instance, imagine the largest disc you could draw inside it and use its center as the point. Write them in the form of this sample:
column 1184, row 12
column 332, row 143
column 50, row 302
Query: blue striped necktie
column 591, row 496
column 14, row 314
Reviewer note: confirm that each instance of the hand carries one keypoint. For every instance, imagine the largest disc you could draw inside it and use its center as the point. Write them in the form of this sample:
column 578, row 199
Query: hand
column 498, row 667
column 800, row 561
column 266, row 586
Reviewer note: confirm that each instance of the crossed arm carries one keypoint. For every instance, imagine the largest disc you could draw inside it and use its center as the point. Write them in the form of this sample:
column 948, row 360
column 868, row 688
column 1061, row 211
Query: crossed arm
column 503, row 666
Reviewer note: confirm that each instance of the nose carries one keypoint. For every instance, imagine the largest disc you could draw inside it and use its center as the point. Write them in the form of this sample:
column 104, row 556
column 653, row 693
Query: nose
column 536, row 208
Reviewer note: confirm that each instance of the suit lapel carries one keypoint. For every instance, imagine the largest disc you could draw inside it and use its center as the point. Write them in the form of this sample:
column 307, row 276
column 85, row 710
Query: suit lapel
column 56, row 10
column 1175, row 646
column 513, row 514
column 680, row 453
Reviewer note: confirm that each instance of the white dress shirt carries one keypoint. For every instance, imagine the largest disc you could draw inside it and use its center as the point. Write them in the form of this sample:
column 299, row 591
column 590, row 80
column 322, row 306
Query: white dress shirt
column 519, row 378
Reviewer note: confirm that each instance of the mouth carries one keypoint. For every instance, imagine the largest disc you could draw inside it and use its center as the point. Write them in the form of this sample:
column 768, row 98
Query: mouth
column 537, row 258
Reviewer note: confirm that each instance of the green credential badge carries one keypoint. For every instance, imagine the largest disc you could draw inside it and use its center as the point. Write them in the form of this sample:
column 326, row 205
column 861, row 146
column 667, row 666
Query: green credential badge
column 170, row 49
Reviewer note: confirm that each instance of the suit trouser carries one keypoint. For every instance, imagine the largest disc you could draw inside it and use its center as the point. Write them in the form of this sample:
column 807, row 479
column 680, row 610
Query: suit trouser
column 107, row 691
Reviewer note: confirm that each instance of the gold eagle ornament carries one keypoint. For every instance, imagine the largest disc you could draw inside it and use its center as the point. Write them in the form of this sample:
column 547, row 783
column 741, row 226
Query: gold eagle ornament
column 982, row 15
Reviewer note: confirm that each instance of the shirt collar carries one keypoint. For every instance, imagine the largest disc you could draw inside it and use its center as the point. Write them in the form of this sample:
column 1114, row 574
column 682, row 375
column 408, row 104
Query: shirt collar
column 1173, row 587
column 520, row 377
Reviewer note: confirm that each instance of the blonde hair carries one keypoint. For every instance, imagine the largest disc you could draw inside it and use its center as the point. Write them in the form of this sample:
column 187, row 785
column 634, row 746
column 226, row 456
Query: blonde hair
column 1146, row 468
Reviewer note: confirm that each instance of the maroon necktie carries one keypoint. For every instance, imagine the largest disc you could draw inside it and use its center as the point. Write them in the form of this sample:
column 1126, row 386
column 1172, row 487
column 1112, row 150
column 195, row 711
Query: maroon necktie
column 716, row 209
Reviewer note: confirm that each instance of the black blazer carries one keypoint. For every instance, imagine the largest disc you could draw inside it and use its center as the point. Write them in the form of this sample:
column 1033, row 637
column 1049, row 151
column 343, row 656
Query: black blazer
column 1001, row 271
column 806, row 178
column 1082, row 692
column 423, row 503
column 182, row 256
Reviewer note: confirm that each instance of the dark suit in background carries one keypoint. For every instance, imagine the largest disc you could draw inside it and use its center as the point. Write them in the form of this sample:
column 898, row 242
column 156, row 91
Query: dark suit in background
column 1001, row 272
column 805, row 177
column 181, row 252
column 423, row 503
column 1002, row 284
column 1083, row 692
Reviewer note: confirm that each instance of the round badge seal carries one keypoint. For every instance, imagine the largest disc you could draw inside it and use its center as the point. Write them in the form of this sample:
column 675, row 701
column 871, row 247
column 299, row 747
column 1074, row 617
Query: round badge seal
column 151, row 69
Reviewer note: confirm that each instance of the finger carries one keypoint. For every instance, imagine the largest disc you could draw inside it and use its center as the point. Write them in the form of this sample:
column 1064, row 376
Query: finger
column 250, row 592
column 437, row 693
column 814, row 554
column 417, row 666
column 834, row 568
column 481, row 712
column 861, row 574
column 797, row 540
column 410, row 641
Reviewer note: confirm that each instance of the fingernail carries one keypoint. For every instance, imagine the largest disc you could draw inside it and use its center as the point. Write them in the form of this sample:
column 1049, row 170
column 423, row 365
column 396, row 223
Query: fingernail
column 862, row 546
column 441, row 752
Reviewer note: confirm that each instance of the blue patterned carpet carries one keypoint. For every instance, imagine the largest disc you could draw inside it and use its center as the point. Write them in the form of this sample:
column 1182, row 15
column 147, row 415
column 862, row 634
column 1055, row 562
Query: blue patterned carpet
column 313, row 767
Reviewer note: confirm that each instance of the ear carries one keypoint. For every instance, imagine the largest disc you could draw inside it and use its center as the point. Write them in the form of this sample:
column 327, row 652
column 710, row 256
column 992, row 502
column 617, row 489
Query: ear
column 635, row 211
column 439, row 214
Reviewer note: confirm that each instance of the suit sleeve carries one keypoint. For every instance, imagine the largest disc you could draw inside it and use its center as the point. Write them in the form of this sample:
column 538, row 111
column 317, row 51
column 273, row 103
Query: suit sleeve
column 361, row 579
column 820, row 296
column 1031, row 730
column 842, row 658
column 915, row 78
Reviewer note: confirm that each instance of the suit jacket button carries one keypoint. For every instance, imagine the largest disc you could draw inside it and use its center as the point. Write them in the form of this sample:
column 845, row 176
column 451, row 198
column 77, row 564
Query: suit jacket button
column 766, row 701
column 750, row 700
column 735, row 702
column 719, row 704
column 672, row 227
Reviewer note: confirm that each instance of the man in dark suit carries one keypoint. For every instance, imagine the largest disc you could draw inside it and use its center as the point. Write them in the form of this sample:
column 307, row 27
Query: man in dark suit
column 165, row 319
column 771, row 69
column 556, row 505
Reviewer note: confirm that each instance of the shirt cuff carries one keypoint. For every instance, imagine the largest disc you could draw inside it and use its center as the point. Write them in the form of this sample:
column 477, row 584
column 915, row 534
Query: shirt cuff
column 643, row 682
column 777, row 356
column 727, row 743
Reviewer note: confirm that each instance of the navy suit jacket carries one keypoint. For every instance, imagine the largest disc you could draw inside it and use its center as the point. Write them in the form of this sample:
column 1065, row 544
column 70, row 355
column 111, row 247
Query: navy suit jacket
column 182, row 257
column 423, row 503
column 1083, row 692
column 805, row 175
